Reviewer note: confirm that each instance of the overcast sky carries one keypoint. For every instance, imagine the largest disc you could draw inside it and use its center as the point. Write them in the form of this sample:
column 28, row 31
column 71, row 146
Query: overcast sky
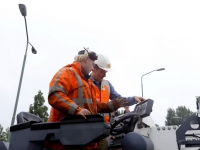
column 137, row 35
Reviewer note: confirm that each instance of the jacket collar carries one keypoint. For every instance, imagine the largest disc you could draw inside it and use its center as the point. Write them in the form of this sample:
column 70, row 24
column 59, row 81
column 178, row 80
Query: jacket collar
column 79, row 69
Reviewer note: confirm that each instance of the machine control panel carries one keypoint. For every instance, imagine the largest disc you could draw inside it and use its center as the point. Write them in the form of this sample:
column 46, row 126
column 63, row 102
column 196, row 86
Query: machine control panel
column 144, row 108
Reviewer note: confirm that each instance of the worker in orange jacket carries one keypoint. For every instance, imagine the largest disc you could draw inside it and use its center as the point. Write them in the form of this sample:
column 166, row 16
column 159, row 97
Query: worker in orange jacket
column 72, row 92
column 106, row 90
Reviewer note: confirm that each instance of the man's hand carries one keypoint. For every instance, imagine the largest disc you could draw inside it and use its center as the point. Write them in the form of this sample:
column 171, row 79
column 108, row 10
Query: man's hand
column 139, row 99
column 122, row 101
column 127, row 109
column 84, row 112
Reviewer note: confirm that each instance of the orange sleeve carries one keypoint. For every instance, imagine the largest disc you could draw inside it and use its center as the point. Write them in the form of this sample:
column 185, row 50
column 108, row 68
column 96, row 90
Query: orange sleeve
column 60, row 86
column 107, row 107
column 63, row 103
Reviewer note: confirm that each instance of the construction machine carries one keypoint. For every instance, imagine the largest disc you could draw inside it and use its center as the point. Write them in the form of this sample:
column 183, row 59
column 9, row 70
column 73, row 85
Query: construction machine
column 132, row 131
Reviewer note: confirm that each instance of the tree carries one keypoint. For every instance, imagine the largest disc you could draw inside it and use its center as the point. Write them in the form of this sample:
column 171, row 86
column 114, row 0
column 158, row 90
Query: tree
column 7, row 133
column 178, row 117
column 2, row 135
column 38, row 108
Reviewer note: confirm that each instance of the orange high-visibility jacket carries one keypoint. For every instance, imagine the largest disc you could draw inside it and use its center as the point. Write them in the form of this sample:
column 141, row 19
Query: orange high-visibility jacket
column 103, row 96
column 69, row 92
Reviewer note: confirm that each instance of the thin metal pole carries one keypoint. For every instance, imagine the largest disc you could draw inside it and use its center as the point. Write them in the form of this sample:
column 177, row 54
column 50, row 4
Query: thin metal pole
column 141, row 80
column 18, row 91
column 21, row 77
column 142, row 86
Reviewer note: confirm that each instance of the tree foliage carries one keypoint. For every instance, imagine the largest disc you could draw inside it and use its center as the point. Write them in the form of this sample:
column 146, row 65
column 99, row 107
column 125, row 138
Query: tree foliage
column 38, row 108
column 3, row 136
column 7, row 133
column 178, row 117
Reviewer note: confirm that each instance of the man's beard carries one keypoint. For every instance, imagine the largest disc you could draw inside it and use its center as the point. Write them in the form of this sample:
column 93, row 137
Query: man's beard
column 86, row 75
column 84, row 72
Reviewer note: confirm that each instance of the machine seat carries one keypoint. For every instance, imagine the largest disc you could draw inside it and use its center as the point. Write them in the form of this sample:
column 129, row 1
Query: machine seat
column 25, row 120
column 23, row 117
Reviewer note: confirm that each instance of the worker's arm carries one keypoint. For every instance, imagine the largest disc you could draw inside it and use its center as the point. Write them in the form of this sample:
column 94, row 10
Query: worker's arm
column 59, row 89
column 114, row 95
column 111, row 105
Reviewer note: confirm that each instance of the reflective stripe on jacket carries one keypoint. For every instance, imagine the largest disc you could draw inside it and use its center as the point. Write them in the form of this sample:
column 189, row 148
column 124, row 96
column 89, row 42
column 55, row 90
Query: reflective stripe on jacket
column 103, row 96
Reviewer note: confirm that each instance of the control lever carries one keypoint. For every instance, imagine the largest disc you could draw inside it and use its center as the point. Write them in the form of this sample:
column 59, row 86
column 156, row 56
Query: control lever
column 140, row 124
column 198, row 105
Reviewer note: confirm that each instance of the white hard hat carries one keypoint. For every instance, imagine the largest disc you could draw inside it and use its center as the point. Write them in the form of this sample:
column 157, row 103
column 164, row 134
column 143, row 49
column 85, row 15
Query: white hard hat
column 103, row 62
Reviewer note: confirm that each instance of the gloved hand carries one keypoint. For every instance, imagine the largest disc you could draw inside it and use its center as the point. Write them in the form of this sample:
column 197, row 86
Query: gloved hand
column 139, row 99
column 122, row 101
column 84, row 112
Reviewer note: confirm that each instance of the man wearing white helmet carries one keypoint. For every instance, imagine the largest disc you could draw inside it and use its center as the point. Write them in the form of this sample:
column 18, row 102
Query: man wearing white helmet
column 106, row 89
